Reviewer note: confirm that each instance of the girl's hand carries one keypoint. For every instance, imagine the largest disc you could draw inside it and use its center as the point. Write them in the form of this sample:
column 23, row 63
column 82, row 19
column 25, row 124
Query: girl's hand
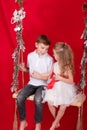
column 57, row 77
column 68, row 79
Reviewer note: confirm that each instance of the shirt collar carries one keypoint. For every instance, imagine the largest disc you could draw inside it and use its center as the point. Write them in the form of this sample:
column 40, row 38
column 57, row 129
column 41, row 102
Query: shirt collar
column 41, row 55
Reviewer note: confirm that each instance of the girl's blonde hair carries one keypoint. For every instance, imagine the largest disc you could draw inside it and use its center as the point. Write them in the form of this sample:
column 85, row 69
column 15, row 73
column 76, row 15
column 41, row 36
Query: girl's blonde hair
column 65, row 57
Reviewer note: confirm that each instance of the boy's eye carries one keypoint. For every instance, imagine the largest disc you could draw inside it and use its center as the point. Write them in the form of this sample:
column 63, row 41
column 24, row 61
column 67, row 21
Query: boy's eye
column 42, row 47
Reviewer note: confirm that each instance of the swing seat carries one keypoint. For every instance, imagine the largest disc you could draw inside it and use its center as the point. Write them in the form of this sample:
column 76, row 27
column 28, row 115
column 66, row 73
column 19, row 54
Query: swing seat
column 29, row 98
column 78, row 103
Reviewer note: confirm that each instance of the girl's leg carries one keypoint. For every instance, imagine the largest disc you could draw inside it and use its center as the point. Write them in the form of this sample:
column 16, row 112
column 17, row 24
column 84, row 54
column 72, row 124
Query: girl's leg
column 52, row 110
column 59, row 116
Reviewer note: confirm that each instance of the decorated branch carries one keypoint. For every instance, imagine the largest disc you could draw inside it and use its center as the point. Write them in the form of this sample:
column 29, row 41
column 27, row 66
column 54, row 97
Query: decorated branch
column 83, row 79
column 20, row 2
column 18, row 16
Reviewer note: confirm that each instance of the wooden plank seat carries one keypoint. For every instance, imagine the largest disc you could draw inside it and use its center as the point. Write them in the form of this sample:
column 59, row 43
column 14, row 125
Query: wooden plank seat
column 77, row 103
column 16, row 93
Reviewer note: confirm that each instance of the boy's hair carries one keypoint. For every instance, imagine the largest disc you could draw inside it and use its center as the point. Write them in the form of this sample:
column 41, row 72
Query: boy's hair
column 43, row 39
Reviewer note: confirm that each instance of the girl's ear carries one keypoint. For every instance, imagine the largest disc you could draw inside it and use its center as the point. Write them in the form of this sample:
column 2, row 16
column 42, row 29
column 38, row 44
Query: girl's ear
column 36, row 44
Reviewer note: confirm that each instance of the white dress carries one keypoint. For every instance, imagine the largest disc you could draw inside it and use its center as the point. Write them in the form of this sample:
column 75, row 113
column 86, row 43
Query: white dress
column 62, row 93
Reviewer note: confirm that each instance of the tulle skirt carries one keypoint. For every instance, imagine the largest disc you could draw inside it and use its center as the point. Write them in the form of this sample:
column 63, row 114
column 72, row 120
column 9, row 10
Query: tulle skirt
column 61, row 94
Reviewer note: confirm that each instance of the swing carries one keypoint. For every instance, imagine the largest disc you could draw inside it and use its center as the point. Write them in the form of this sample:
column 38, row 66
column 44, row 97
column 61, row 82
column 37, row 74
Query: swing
column 18, row 54
column 77, row 103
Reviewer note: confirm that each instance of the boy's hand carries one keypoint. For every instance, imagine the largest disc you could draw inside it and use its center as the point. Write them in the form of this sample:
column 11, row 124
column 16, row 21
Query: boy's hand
column 35, row 75
column 22, row 67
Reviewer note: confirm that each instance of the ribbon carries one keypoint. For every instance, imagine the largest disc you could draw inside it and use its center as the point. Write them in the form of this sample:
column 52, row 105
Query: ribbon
column 52, row 82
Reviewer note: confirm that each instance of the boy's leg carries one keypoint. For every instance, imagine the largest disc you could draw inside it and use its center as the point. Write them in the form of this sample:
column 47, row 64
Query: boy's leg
column 23, row 124
column 23, row 94
column 38, row 107
column 38, row 126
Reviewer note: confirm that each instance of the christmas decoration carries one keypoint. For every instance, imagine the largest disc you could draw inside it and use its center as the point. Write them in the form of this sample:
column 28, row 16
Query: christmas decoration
column 83, row 81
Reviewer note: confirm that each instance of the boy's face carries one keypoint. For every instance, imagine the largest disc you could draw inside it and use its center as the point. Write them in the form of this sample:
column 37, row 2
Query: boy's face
column 41, row 48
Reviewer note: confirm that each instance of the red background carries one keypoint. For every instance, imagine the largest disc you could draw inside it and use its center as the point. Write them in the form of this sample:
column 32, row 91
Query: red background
column 61, row 21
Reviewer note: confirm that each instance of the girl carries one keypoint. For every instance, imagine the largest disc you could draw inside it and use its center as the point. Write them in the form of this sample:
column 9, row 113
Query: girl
column 63, row 91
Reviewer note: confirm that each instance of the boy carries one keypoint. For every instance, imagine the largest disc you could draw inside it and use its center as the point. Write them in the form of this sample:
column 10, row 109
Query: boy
column 39, row 65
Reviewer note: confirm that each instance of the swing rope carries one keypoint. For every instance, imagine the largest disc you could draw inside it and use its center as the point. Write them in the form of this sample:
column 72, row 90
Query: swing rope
column 15, row 123
column 22, row 61
column 82, row 82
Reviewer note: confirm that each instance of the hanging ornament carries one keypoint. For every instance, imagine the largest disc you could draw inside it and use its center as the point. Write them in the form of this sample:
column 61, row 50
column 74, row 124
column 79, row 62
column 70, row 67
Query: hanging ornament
column 18, row 15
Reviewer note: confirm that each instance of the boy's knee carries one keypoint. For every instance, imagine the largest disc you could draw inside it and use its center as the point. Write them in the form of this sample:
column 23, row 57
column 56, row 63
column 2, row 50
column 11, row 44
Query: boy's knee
column 19, row 98
column 37, row 100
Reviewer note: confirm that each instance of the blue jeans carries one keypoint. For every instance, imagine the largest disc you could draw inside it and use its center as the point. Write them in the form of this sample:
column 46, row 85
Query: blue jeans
column 26, row 92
